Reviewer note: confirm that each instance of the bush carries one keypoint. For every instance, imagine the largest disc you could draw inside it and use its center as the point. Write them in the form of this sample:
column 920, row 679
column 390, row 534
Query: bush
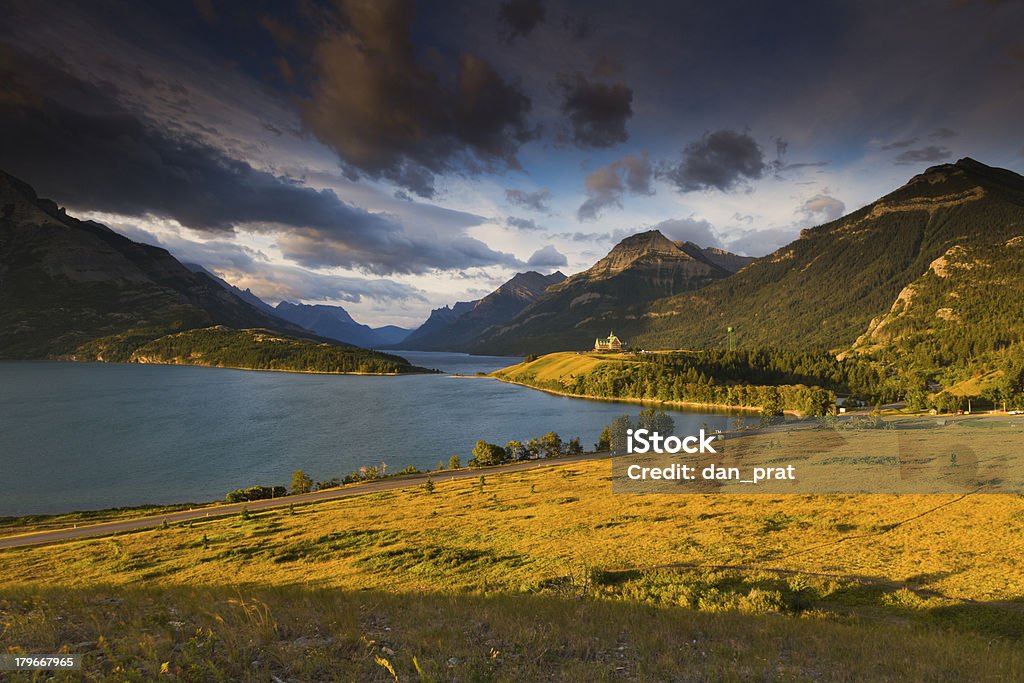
column 255, row 493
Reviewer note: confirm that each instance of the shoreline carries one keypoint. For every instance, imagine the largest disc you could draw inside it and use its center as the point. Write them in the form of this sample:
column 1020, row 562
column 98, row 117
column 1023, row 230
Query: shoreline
column 422, row 371
column 641, row 401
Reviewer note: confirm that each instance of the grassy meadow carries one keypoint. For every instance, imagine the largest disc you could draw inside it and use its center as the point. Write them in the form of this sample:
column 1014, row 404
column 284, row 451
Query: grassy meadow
column 541, row 574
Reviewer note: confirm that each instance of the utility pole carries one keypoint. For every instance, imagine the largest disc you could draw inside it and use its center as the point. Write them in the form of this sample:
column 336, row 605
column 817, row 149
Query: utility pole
column 732, row 340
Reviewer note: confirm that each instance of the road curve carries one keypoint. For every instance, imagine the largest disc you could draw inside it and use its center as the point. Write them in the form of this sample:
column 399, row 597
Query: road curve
column 134, row 524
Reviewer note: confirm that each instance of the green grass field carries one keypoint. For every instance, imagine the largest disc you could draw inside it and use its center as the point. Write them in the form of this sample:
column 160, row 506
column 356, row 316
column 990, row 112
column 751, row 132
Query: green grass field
column 542, row 574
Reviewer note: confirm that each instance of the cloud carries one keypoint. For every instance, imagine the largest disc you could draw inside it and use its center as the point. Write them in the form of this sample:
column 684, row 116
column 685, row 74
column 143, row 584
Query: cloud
column 608, row 185
column 406, row 253
column 389, row 116
column 76, row 142
column 761, row 242
column 721, row 160
column 536, row 201
column 248, row 268
column 609, row 64
column 696, row 230
column 597, row 111
column 821, row 208
column 924, row 154
column 518, row 17
column 898, row 144
column 942, row 133
column 547, row 257
column 522, row 223
column 616, row 235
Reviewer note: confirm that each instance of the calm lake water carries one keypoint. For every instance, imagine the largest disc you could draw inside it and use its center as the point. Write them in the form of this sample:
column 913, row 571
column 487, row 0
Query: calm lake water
column 77, row 436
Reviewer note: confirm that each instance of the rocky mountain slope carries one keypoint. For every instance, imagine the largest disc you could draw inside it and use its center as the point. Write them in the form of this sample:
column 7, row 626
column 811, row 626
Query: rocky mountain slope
column 824, row 289
column 72, row 289
column 458, row 327
column 639, row 270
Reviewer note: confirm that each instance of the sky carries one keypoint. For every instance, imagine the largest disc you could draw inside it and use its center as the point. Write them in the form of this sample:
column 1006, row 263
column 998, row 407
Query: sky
column 393, row 157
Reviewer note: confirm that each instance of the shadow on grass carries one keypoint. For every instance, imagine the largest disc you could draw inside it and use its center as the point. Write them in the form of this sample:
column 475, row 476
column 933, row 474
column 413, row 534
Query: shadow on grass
column 252, row 633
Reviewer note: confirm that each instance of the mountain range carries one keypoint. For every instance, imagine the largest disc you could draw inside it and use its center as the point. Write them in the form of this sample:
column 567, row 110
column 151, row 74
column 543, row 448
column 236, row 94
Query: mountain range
column 639, row 270
column 931, row 271
column 454, row 328
column 78, row 290
column 335, row 322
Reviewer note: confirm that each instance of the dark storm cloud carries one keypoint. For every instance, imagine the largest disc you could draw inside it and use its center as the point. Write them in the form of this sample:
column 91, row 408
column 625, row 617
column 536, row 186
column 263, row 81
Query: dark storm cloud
column 522, row 223
column 607, row 186
column 721, row 160
column 547, row 257
column 389, row 116
column 535, row 201
column 597, row 111
column 75, row 142
column 518, row 17
column 924, row 154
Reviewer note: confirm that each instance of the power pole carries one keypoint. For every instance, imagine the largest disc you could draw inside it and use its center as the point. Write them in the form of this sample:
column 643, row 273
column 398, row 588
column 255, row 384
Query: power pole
column 732, row 340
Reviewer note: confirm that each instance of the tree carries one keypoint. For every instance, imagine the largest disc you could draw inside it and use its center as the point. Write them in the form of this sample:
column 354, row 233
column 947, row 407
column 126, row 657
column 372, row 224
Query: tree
column 533, row 448
column 301, row 483
column 604, row 442
column 574, row 447
column 551, row 445
column 514, row 450
column 429, row 486
column 947, row 403
column 771, row 411
column 655, row 421
column 486, row 454
column 454, row 463
column 618, row 431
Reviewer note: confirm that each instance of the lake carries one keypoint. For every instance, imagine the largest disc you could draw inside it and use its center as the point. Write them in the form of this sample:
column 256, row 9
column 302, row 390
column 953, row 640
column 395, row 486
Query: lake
column 77, row 436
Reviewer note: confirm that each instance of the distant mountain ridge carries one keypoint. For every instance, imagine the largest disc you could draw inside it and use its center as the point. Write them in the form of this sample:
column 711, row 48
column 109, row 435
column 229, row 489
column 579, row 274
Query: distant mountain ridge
column 453, row 329
column 335, row 322
column 640, row 269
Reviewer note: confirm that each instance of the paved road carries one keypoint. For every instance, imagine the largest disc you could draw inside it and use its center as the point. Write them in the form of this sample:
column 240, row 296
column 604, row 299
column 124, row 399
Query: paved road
column 107, row 528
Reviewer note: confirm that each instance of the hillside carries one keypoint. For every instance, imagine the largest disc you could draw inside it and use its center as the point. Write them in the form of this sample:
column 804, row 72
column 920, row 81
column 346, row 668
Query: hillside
column 65, row 282
column 459, row 330
column 539, row 574
column 824, row 289
column 434, row 326
column 819, row 292
column 260, row 349
column 640, row 269
column 245, row 295
column 777, row 382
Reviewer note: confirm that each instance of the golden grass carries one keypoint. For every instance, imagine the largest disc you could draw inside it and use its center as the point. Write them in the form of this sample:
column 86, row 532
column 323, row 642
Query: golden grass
column 551, row 570
column 255, row 634
column 532, row 526
column 555, row 366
